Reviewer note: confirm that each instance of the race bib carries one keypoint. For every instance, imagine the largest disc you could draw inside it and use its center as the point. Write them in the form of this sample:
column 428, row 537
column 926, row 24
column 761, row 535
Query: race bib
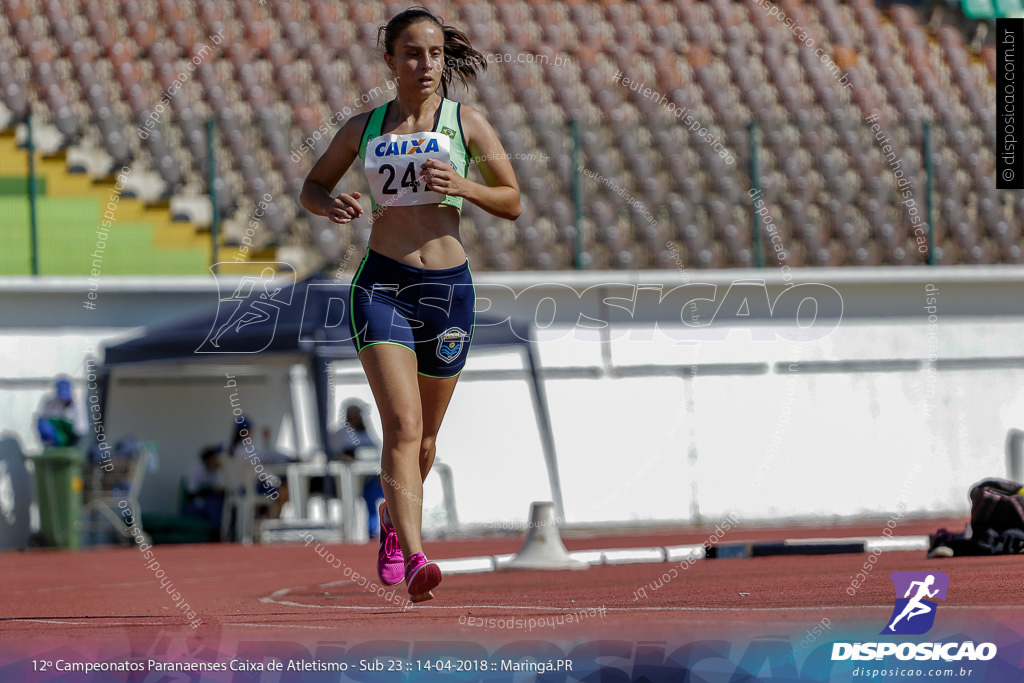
column 393, row 164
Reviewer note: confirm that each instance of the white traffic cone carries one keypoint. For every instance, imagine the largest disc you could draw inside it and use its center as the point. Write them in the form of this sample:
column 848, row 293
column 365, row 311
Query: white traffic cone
column 543, row 547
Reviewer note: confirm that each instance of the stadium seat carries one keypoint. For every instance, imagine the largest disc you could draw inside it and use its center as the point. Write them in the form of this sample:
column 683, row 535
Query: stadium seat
column 290, row 65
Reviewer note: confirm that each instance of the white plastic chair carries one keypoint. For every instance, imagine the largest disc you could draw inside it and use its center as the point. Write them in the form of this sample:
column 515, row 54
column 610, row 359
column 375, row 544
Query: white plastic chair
column 239, row 498
column 108, row 489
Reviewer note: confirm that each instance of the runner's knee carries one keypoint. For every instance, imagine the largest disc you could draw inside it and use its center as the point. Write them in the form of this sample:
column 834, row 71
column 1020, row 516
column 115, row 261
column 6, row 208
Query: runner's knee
column 405, row 427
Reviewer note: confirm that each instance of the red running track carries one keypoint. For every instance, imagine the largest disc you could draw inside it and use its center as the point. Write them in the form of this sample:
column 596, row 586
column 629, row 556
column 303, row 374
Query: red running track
column 287, row 591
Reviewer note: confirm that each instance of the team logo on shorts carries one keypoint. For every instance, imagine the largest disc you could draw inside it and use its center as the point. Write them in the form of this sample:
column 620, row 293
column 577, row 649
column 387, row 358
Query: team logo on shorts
column 450, row 343
column 916, row 593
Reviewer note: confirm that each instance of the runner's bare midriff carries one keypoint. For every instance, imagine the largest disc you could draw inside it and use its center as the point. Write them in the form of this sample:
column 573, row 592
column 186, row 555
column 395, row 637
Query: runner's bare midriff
column 425, row 236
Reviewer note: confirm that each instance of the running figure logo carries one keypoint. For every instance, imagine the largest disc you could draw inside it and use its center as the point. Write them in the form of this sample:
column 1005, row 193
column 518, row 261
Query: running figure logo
column 914, row 613
column 254, row 300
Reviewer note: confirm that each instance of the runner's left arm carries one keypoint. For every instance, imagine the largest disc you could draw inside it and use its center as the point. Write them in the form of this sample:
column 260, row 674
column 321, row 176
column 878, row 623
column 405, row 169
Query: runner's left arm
column 499, row 194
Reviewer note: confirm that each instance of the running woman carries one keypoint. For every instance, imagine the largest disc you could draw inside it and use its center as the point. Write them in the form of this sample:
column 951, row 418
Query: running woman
column 412, row 297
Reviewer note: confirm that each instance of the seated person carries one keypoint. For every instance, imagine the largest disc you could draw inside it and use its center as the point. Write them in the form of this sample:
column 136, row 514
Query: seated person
column 271, row 491
column 58, row 419
column 343, row 443
column 269, row 455
column 352, row 434
column 204, row 489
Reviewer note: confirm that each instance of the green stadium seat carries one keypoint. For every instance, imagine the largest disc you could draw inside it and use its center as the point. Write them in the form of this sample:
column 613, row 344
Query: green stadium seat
column 1009, row 8
column 979, row 9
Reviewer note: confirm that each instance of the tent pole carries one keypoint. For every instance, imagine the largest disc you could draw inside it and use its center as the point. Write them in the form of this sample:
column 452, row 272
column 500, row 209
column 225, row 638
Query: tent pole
column 320, row 366
column 547, row 439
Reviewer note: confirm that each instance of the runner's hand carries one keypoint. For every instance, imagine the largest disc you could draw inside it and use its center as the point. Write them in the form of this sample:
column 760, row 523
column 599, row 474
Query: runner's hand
column 442, row 178
column 344, row 208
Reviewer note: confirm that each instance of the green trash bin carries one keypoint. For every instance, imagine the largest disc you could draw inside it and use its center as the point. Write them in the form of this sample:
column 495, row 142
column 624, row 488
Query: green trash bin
column 58, row 474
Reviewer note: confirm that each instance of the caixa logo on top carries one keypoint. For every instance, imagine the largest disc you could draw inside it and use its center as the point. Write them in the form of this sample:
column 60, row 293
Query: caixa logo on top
column 914, row 611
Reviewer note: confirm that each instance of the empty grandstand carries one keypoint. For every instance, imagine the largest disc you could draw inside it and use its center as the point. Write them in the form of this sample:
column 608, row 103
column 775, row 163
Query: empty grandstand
column 664, row 94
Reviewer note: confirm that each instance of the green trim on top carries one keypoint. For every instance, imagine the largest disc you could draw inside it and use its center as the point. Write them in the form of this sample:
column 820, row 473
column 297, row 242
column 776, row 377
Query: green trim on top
column 374, row 123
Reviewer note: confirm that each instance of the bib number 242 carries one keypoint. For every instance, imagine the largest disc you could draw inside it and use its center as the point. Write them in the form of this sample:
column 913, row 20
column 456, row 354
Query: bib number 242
column 408, row 178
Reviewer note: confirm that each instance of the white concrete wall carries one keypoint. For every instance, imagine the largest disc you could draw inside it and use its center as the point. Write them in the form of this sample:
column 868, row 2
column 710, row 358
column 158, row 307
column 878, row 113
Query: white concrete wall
column 769, row 446
column 728, row 427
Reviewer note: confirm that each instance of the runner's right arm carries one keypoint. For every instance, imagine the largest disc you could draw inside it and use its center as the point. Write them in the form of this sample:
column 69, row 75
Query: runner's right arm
column 328, row 170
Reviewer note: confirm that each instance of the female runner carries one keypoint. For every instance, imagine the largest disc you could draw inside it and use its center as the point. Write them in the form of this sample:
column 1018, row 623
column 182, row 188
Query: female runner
column 412, row 297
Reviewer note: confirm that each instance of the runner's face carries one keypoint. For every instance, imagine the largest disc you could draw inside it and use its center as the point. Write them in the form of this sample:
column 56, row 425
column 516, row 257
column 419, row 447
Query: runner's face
column 419, row 58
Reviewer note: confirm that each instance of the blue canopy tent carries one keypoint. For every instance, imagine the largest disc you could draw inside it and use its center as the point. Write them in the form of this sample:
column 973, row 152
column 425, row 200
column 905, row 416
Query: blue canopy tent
column 310, row 319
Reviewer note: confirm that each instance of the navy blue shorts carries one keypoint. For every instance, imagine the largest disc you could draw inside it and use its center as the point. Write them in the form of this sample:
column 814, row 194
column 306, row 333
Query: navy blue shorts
column 428, row 311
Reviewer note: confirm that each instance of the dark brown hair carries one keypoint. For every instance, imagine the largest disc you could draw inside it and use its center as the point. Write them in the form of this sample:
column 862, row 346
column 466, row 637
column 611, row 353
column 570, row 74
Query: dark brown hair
column 460, row 59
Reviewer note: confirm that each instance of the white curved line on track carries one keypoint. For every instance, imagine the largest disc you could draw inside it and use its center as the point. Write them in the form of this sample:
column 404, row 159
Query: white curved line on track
column 277, row 598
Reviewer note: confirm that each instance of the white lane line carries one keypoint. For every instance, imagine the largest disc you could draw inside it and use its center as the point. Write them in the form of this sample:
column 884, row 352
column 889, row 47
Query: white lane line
column 149, row 581
column 51, row 621
column 273, row 598
column 98, row 621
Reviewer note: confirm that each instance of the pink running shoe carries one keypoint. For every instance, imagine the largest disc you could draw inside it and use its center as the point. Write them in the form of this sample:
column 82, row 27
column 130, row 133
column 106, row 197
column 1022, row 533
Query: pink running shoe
column 421, row 576
column 390, row 563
